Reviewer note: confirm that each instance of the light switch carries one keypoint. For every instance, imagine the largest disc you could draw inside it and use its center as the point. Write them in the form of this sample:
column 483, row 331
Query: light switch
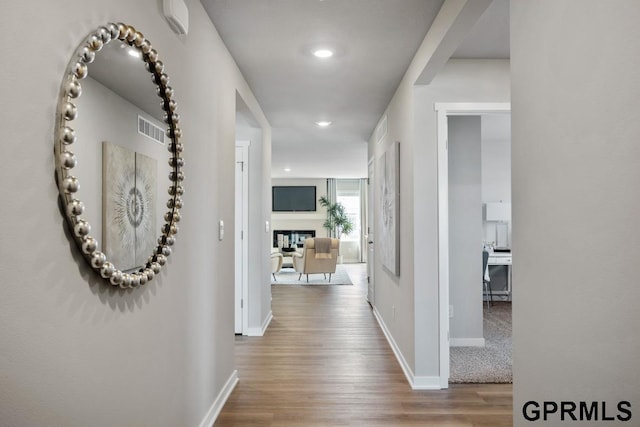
column 220, row 230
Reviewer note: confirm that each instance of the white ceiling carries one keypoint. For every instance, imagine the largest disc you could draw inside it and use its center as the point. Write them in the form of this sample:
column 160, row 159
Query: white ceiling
column 374, row 41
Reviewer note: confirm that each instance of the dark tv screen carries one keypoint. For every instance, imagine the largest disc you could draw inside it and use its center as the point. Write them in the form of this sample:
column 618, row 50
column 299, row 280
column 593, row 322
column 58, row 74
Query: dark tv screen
column 293, row 199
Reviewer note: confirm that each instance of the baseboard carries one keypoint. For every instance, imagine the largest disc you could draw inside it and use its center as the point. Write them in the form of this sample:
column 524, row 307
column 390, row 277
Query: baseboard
column 416, row 382
column 466, row 342
column 258, row 332
column 216, row 407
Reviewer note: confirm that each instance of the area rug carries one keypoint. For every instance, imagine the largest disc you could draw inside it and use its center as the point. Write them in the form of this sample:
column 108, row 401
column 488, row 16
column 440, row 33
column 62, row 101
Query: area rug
column 288, row 276
column 491, row 363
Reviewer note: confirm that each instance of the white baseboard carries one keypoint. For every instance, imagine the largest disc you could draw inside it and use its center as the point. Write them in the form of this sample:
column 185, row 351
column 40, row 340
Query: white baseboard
column 217, row 405
column 258, row 332
column 416, row 382
column 466, row 342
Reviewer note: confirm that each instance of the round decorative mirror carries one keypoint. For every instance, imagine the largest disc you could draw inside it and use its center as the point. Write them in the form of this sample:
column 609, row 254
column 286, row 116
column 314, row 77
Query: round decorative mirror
column 119, row 138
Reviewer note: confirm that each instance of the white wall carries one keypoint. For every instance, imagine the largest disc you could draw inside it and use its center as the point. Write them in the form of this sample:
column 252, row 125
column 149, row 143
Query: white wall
column 496, row 165
column 465, row 231
column 301, row 220
column 411, row 119
column 76, row 352
column 575, row 172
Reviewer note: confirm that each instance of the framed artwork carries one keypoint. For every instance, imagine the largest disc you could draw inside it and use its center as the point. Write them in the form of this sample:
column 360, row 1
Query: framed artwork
column 390, row 208
column 128, row 206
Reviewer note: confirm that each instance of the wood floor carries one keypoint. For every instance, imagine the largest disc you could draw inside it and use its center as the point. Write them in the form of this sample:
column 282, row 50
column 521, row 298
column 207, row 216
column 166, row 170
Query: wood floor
column 325, row 362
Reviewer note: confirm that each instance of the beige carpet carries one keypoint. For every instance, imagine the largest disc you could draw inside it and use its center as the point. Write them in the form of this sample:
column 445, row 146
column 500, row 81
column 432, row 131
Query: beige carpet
column 491, row 363
column 288, row 276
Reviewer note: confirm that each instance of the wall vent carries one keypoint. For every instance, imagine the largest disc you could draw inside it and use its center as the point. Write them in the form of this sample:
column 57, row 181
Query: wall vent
column 148, row 129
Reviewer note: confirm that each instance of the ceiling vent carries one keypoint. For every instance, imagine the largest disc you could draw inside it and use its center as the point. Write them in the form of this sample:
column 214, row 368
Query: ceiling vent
column 148, row 129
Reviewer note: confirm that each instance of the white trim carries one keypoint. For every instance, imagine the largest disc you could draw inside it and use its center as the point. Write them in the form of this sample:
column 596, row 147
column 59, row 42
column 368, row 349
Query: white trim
column 416, row 383
column 443, row 110
column 242, row 155
column 478, row 108
column 222, row 398
column 467, row 342
column 443, row 245
column 259, row 332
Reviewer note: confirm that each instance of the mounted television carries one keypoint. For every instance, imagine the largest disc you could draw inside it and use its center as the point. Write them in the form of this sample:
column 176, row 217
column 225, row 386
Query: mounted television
column 287, row 198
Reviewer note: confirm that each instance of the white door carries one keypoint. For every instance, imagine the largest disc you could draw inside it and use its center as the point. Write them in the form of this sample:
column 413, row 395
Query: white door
column 240, row 238
column 370, row 234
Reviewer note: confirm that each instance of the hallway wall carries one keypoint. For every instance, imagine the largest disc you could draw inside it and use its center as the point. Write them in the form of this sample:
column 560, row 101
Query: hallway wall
column 575, row 175
column 76, row 352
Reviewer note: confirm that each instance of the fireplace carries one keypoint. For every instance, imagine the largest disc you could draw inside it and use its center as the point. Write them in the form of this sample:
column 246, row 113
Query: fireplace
column 291, row 238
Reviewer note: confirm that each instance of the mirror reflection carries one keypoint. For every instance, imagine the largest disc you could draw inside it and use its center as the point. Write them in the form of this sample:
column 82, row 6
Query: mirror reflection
column 117, row 120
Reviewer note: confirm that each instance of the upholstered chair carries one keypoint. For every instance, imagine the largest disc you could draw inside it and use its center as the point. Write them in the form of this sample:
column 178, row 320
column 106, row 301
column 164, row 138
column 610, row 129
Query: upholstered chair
column 319, row 255
column 276, row 263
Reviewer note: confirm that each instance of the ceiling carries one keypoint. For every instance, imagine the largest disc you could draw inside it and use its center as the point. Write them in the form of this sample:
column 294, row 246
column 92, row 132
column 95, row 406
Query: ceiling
column 374, row 42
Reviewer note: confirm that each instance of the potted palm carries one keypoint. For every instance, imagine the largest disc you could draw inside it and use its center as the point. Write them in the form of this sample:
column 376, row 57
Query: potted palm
column 337, row 222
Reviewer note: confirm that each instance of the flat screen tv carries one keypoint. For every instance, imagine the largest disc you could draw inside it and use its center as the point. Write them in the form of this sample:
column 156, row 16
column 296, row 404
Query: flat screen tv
column 293, row 198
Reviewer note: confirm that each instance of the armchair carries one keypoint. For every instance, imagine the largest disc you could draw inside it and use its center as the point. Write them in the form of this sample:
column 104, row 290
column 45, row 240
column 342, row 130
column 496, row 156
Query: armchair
column 276, row 263
column 319, row 255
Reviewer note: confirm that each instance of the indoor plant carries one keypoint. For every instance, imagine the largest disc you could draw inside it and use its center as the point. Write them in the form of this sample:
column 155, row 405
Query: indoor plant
column 337, row 223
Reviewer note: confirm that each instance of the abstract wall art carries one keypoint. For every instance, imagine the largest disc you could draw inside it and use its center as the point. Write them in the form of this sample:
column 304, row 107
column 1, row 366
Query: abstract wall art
column 129, row 206
column 390, row 208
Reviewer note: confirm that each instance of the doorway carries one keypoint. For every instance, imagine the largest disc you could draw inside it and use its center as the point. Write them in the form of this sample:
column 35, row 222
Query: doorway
column 444, row 111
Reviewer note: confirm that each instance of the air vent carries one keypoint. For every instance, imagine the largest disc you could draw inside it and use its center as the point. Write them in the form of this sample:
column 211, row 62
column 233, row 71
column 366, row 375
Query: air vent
column 148, row 129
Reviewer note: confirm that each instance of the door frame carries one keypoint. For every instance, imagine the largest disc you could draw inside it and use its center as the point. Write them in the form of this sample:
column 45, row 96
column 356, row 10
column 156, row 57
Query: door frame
column 443, row 111
column 240, row 239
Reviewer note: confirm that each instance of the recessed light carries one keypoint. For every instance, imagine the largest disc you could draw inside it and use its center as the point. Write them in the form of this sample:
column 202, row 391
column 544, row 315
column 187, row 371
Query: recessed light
column 323, row 124
column 287, row 169
column 323, row 53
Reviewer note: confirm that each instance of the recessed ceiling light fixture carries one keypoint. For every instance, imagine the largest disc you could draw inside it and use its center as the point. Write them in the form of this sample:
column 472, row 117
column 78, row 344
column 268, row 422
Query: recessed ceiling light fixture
column 323, row 123
column 287, row 169
column 323, row 53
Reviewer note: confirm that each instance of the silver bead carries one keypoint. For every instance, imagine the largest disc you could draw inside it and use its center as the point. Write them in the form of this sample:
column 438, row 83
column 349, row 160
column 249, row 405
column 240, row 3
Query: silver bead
column 107, row 270
column 145, row 46
column 68, row 135
column 139, row 39
column 153, row 55
column 159, row 66
column 71, row 184
column 116, row 277
column 176, row 176
column 113, row 29
column 135, row 280
column 74, row 208
column 68, row 160
column 105, row 34
column 164, row 79
column 123, row 31
column 74, row 89
column 82, row 228
column 150, row 274
column 89, row 245
column 161, row 259
column 98, row 259
column 176, row 190
column 155, row 267
column 87, row 54
column 142, row 278
column 95, row 43
column 132, row 33
column 127, row 280
column 172, row 105
column 70, row 111
column 166, row 251
column 168, row 91
column 80, row 70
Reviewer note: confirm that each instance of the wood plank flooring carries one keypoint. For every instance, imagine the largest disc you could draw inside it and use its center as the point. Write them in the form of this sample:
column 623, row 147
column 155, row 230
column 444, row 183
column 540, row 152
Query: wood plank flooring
column 325, row 362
